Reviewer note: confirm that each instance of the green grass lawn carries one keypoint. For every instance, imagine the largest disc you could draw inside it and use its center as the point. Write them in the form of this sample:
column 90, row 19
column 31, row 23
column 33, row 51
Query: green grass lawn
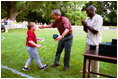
column 14, row 54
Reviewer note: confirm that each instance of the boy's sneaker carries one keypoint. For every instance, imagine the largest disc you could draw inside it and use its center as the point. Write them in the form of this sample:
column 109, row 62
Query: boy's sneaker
column 44, row 67
column 26, row 69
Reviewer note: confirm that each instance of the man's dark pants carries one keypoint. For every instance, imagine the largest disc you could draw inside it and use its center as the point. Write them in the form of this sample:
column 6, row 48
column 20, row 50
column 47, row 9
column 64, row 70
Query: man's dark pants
column 66, row 44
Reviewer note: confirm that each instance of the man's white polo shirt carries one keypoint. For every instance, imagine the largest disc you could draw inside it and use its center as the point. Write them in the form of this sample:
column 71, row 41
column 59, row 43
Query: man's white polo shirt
column 96, row 22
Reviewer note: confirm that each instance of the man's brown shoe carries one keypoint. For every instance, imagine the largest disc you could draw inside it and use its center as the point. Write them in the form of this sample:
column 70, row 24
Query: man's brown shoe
column 65, row 69
column 54, row 65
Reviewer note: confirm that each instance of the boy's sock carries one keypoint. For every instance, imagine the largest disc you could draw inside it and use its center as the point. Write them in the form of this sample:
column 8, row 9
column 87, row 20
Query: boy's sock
column 26, row 66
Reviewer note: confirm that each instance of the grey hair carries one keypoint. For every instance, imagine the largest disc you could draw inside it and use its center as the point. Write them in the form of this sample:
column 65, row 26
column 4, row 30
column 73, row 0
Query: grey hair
column 56, row 11
column 91, row 7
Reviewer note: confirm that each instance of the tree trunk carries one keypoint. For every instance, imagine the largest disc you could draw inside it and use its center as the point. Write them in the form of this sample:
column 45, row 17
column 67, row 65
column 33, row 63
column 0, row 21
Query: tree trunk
column 12, row 15
column 11, row 10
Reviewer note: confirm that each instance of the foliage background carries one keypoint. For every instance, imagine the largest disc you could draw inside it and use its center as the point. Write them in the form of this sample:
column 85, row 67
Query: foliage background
column 39, row 11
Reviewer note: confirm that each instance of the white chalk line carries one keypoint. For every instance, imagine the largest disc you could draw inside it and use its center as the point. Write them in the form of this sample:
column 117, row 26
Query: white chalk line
column 16, row 72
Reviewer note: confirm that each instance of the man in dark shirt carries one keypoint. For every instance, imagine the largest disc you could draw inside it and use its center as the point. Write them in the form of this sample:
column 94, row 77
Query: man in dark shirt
column 65, row 38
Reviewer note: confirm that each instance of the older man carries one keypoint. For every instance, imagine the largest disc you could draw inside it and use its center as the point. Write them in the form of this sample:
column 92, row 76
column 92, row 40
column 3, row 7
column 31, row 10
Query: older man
column 92, row 26
column 65, row 38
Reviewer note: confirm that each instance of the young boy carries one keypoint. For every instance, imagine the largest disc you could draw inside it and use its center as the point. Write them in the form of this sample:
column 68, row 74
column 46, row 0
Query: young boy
column 31, row 46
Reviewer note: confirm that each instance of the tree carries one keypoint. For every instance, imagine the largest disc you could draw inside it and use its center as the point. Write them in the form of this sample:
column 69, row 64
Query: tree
column 40, row 10
column 40, row 13
column 107, row 9
column 13, row 8
column 72, row 10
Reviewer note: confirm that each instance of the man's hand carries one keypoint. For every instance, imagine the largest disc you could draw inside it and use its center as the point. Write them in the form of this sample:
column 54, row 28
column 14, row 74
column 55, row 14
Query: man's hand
column 84, row 23
column 38, row 46
column 58, row 38
column 39, row 38
column 41, row 27
column 45, row 26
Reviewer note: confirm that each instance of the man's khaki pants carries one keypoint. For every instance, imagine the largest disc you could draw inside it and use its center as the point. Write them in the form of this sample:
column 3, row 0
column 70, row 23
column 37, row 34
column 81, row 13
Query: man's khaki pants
column 94, row 64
